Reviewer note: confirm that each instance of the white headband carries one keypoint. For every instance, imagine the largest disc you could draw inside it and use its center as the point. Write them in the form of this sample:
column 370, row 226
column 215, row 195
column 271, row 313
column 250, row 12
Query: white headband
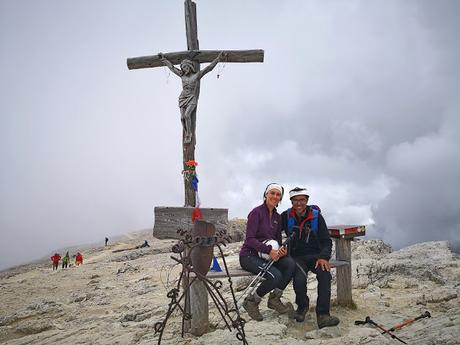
column 274, row 186
column 298, row 191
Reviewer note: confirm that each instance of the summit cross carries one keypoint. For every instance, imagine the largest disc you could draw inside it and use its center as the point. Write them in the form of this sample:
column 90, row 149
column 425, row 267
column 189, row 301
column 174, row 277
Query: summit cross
column 190, row 73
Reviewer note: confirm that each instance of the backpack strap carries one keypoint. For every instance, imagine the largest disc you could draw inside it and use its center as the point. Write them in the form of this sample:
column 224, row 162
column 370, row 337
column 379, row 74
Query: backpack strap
column 290, row 220
column 314, row 221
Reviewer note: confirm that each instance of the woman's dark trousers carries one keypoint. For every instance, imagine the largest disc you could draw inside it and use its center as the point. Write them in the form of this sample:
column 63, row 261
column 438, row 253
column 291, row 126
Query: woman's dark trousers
column 278, row 275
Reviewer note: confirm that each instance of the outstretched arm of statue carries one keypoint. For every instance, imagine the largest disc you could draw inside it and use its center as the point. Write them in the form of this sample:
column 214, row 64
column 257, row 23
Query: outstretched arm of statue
column 213, row 64
column 168, row 64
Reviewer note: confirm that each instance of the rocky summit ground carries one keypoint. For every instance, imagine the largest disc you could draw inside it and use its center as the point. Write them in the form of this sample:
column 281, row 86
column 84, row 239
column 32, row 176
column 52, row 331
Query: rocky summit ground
column 116, row 297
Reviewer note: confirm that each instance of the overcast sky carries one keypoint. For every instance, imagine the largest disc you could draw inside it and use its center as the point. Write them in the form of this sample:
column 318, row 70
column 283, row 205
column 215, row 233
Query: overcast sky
column 357, row 100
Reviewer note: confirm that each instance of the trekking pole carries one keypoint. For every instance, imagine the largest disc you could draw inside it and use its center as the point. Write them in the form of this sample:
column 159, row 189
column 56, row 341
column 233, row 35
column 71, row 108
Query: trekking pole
column 256, row 280
column 264, row 269
column 408, row 322
column 368, row 320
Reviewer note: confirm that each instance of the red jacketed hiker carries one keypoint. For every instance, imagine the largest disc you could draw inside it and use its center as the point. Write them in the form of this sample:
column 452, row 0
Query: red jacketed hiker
column 78, row 259
column 55, row 258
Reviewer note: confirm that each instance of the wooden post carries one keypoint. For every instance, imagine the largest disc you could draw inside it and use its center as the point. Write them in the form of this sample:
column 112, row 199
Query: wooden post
column 199, row 308
column 343, row 235
column 343, row 253
column 201, row 257
column 188, row 149
column 185, row 282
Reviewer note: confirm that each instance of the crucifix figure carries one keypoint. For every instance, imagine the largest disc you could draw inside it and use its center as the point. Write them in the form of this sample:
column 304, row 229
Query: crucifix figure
column 190, row 74
column 188, row 98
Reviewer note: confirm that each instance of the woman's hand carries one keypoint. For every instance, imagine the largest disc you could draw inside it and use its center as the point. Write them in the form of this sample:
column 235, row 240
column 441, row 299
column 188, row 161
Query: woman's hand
column 274, row 254
column 282, row 252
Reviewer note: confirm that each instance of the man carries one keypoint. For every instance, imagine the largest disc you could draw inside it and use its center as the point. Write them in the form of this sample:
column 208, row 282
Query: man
column 311, row 248
column 55, row 258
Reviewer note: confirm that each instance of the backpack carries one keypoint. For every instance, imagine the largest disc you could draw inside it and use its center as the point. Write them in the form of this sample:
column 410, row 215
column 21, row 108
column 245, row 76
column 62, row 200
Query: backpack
column 312, row 217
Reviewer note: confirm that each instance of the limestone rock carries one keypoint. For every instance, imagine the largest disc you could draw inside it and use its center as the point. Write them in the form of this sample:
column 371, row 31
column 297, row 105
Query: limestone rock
column 324, row 333
column 116, row 298
column 237, row 229
column 128, row 268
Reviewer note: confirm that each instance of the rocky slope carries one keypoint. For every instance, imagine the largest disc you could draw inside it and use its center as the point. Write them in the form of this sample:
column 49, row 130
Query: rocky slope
column 117, row 297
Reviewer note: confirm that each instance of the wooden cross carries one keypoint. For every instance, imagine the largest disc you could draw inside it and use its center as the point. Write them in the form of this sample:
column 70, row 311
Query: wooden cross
column 197, row 57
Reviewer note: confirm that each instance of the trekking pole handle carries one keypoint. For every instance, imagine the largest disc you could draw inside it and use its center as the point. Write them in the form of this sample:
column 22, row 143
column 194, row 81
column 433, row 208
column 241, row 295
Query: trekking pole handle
column 286, row 242
column 425, row 314
column 360, row 322
column 368, row 319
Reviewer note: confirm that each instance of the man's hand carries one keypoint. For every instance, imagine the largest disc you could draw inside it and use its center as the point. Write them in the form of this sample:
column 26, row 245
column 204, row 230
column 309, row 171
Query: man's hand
column 274, row 255
column 324, row 264
column 282, row 251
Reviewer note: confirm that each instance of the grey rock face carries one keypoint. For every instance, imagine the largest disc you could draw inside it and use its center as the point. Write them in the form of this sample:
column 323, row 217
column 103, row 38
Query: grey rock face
column 128, row 268
column 430, row 261
column 237, row 229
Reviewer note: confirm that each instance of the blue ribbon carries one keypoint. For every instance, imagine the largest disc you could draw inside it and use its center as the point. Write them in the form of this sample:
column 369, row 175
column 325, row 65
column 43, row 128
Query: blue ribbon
column 195, row 183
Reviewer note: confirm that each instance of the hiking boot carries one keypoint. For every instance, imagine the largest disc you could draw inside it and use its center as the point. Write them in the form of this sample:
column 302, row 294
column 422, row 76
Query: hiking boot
column 300, row 313
column 251, row 305
column 327, row 321
column 274, row 302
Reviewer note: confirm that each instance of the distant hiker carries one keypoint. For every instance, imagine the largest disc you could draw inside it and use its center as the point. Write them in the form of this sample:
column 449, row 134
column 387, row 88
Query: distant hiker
column 311, row 247
column 106, row 241
column 263, row 235
column 78, row 259
column 55, row 258
column 65, row 260
column 143, row 245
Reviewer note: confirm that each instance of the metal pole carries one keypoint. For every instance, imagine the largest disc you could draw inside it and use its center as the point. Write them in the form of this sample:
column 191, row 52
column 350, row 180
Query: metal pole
column 408, row 322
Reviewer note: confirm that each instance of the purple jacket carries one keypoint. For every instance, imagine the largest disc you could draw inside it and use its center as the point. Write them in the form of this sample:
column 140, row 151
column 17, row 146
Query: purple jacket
column 260, row 228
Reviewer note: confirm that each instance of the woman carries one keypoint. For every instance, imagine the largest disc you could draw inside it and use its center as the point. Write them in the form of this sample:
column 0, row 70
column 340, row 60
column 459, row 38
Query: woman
column 264, row 223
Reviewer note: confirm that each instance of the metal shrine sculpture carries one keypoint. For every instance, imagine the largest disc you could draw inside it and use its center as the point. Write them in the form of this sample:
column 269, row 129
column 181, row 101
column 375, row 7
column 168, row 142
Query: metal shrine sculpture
column 195, row 251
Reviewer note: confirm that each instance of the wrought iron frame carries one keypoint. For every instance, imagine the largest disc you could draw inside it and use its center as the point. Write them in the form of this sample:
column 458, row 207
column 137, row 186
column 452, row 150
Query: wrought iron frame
column 228, row 311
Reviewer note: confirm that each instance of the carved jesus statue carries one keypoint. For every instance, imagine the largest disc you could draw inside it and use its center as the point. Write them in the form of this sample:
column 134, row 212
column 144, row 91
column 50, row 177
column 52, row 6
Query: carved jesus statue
column 188, row 99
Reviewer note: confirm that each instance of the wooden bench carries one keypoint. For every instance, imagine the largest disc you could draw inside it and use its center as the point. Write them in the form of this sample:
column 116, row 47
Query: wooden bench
column 239, row 272
column 341, row 234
